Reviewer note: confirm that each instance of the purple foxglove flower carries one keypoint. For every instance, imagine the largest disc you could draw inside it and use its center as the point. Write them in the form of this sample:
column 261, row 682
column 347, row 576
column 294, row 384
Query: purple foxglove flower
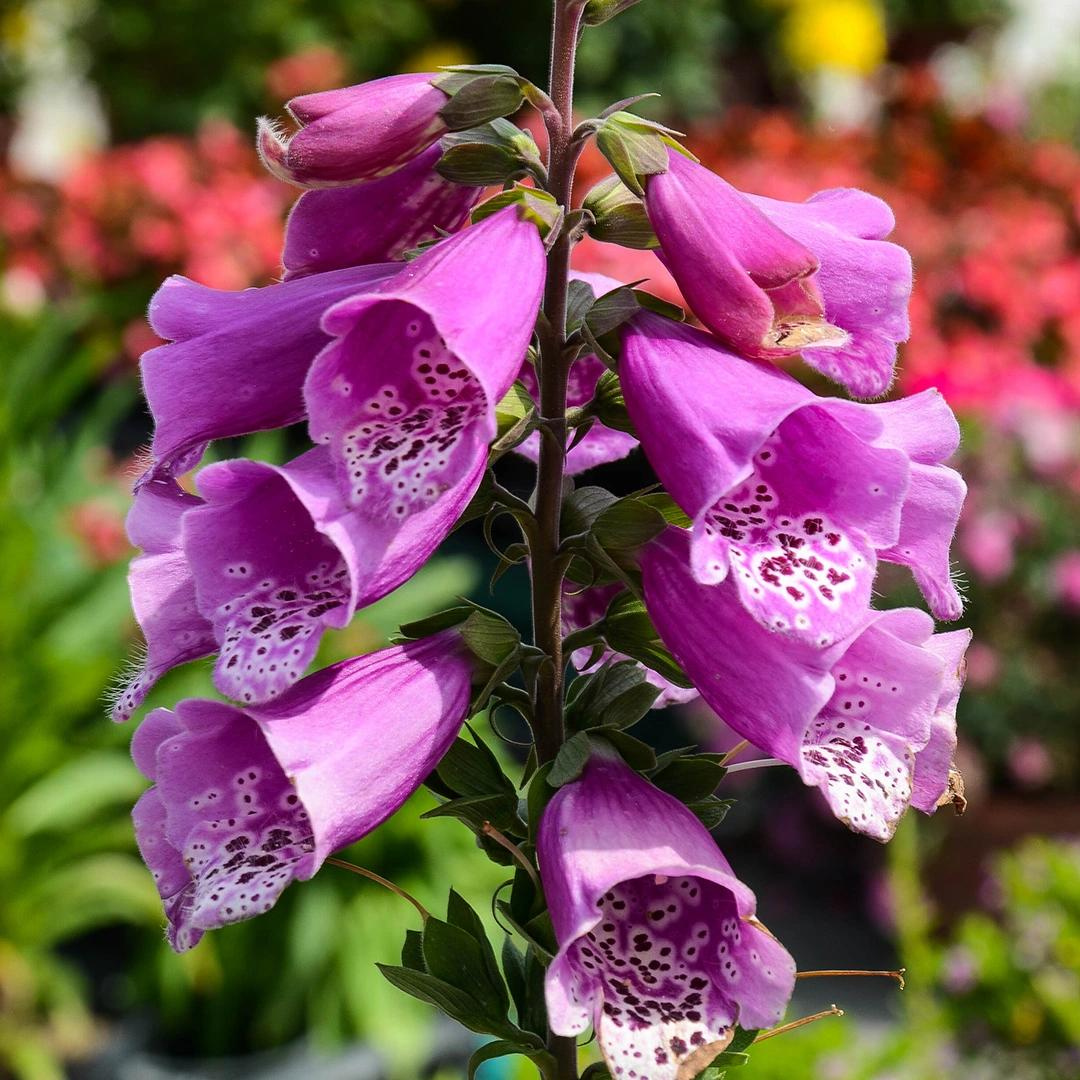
column 793, row 496
column 600, row 444
column 246, row 801
column 405, row 396
column 377, row 221
column 162, row 591
column 237, row 360
column 277, row 557
column 581, row 607
column 853, row 719
column 774, row 278
column 659, row 947
column 354, row 133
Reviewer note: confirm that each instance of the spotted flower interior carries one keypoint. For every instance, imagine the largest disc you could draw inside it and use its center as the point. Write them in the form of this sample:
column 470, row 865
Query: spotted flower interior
column 668, row 970
column 798, row 534
column 402, row 431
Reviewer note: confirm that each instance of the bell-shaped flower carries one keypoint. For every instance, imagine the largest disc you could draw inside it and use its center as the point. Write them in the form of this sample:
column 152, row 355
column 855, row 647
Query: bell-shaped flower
column 866, row 720
column 774, row 278
column 237, row 360
column 600, row 444
column 354, row 133
column 405, row 397
column 162, row 592
column 581, row 608
column 659, row 947
column 376, row 221
column 246, row 801
column 793, row 496
column 278, row 557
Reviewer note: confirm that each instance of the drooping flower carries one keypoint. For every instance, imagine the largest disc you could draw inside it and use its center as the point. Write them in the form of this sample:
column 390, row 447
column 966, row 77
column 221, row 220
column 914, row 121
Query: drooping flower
column 405, row 396
column 867, row 720
column 773, row 278
column 162, row 591
column 356, row 132
column 277, row 557
column 246, row 801
column 581, row 607
column 600, row 444
column 659, row 946
column 237, row 360
column 376, row 221
column 793, row 496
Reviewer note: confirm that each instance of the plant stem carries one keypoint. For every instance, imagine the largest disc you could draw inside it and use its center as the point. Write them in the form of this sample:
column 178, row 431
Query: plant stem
column 547, row 568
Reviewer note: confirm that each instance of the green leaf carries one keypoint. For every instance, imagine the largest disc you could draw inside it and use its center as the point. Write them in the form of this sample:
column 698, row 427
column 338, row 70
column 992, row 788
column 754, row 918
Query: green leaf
column 412, row 951
column 742, row 1039
column 666, row 505
column 628, row 629
column 459, row 913
column 475, row 810
column 490, row 637
column 469, row 770
column 458, row 1004
column 579, row 298
column 582, row 507
column 617, row 695
column 537, row 1054
column 627, row 525
column 572, row 758
column 454, row 955
column 513, row 966
column 690, row 779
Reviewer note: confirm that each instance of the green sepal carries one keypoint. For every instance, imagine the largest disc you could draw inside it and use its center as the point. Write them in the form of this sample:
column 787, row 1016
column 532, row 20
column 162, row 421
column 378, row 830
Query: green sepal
column 582, row 507
column 579, row 299
column 609, row 405
column 711, row 811
column 634, row 148
column 533, row 205
column 433, row 624
column 599, row 11
column 666, row 505
column 476, row 811
column 516, row 406
column 639, row 755
column 626, row 526
column 468, row 769
column 493, row 153
column 480, row 99
column 742, row 1040
column 491, row 638
column 596, row 1072
column 691, row 778
column 572, row 758
column 619, row 216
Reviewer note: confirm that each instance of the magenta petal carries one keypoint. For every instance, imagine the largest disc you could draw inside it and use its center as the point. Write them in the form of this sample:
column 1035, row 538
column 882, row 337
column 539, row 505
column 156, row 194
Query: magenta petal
column 865, row 284
column 405, row 397
column 658, row 943
column 238, row 360
column 723, row 251
column 852, row 718
column 356, row 132
column 792, row 493
column 765, row 686
column 934, row 761
column 245, row 802
column 377, row 221
column 162, row 592
column 278, row 558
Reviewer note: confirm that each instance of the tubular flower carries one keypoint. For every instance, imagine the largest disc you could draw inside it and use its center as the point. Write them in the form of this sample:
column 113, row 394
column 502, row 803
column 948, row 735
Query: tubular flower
column 354, row 133
column 659, row 947
column 581, row 607
column 237, row 360
column 162, row 591
column 773, row 278
column 246, row 801
column 376, row 221
column 869, row 720
column 277, row 557
column 793, row 496
column 600, row 444
column 405, row 397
